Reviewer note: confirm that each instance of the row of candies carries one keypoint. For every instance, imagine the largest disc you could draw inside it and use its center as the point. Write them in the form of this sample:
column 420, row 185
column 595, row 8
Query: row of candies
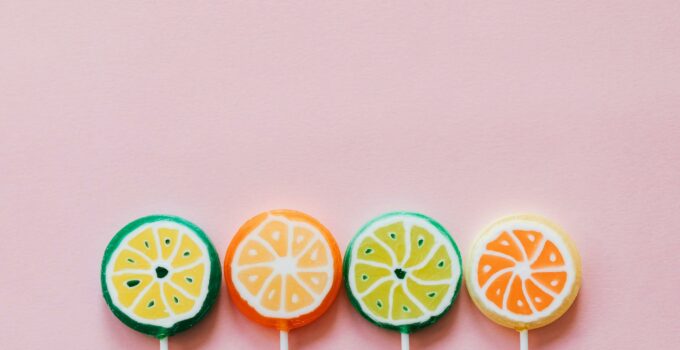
column 283, row 269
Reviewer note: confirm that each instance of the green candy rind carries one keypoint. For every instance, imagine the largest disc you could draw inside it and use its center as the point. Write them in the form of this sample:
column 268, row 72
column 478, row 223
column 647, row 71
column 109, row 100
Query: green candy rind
column 213, row 283
column 409, row 328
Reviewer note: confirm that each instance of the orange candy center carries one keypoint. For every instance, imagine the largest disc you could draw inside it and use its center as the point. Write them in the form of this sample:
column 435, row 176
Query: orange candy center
column 522, row 271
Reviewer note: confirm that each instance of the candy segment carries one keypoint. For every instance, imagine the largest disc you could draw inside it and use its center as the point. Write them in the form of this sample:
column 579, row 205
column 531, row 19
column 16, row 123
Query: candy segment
column 145, row 242
column 371, row 250
column 168, row 239
column 254, row 277
column 490, row 265
column 506, row 245
column 314, row 280
column 554, row 281
column 496, row 289
column 429, row 295
column 550, row 257
column 178, row 302
column 438, row 268
column 378, row 300
column 188, row 252
column 129, row 286
column 530, row 240
column 422, row 241
column 366, row 275
column 394, row 237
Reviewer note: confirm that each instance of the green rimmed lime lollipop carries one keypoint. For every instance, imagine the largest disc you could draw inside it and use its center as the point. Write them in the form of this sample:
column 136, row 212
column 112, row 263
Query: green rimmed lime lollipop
column 160, row 275
column 402, row 271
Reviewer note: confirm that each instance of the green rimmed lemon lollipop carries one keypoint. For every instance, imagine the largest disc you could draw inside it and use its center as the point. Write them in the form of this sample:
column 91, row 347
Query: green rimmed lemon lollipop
column 402, row 271
column 160, row 275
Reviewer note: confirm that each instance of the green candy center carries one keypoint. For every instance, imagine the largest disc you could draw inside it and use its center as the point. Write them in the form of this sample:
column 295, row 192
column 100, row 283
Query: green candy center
column 161, row 272
column 400, row 273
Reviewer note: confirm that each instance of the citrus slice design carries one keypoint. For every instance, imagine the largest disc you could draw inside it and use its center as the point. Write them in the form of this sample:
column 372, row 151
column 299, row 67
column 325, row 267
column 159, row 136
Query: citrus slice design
column 160, row 275
column 282, row 269
column 402, row 271
column 523, row 272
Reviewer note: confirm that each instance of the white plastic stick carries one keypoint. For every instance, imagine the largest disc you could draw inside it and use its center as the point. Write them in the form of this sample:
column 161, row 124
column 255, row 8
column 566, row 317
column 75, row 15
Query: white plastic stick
column 283, row 339
column 164, row 343
column 524, row 339
column 404, row 341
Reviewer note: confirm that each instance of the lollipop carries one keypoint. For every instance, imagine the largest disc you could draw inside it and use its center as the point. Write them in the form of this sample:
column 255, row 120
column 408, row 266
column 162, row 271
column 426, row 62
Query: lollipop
column 282, row 270
column 523, row 272
column 160, row 275
column 402, row 272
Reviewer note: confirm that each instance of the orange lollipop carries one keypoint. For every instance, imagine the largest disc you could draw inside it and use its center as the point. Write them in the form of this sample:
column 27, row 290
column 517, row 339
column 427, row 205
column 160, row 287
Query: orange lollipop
column 523, row 272
column 283, row 270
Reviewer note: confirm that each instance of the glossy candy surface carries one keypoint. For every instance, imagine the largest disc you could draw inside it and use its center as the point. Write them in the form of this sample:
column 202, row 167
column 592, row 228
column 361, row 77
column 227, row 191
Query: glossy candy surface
column 402, row 271
column 523, row 272
column 283, row 269
column 160, row 275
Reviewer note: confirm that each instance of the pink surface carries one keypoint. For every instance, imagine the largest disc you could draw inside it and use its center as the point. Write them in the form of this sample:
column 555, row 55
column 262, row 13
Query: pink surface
column 463, row 111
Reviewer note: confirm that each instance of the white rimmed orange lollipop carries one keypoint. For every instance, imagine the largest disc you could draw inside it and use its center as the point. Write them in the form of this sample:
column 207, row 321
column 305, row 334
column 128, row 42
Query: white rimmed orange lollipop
column 523, row 272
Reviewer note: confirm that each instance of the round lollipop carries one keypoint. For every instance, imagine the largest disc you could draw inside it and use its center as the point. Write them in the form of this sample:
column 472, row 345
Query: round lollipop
column 160, row 275
column 282, row 270
column 523, row 272
column 402, row 272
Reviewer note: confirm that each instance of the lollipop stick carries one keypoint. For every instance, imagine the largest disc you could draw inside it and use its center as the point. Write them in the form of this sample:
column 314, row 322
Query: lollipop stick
column 404, row 341
column 283, row 339
column 524, row 339
column 164, row 343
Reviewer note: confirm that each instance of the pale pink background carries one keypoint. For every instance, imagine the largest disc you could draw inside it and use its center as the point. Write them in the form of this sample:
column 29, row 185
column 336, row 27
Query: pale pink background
column 215, row 111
